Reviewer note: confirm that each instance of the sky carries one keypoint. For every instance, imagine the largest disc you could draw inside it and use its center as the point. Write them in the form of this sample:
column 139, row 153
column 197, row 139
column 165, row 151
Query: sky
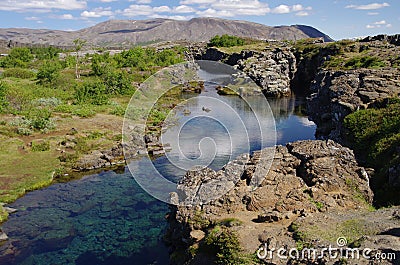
column 340, row 19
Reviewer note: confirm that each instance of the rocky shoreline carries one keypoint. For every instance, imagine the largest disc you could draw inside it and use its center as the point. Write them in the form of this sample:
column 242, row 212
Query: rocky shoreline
column 307, row 180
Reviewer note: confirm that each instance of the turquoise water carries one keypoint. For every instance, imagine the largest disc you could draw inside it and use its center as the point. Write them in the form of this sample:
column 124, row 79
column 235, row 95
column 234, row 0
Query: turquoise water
column 107, row 218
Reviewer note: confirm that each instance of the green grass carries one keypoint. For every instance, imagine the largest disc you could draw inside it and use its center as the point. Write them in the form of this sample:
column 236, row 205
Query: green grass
column 258, row 46
column 34, row 169
column 351, row 229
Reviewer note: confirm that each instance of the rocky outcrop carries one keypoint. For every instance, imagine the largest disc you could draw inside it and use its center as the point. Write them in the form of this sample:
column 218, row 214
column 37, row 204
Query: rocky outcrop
column 335, row 94
column 271, row 69
column 305, row 178
column 393, row 39
column 101, row 159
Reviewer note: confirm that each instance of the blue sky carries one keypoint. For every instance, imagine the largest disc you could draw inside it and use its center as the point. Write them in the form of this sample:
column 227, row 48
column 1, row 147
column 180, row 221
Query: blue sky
column 338, row 18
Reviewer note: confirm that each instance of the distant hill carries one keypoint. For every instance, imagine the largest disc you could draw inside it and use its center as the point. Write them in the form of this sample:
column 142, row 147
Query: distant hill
column 128, row 32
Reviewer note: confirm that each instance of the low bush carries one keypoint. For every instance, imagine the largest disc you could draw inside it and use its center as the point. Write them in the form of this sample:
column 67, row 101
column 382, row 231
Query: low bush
column 226, row 41
column 375, row 136
column 224, row 244
column 84, row 111
column 35, row 120
column 40, row 146
column 3, row 96
column 364, row 62
column 19, row 73
column 52, row 102
column 91, row 92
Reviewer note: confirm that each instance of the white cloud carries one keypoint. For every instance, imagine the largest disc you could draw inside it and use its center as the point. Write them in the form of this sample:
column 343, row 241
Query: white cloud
column 302, row 14
column 214, row 13
column 138, row 10
column 108, row 1
column 372, row 13
column 369, row 6
column 192, row 2
column 241, row 7
column 285, row 9
column 32, row 18
column 142, row 1
column 66, row 16
column 184, row 9
column 175, row 17
column 281, row 9
column 297, row 7
column 41, row 6
column 97, row 12
column 379, row 24
column 382, row 22
column 162, row 9
column 211, row 8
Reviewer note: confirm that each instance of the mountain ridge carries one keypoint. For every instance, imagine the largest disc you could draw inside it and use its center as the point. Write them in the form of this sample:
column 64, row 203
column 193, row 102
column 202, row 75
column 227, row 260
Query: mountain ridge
column 132, row 32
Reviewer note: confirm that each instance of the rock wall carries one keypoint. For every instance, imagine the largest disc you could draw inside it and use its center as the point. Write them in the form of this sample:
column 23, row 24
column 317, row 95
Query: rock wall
column 335, row 94
column 271, row 69
column 306, row 177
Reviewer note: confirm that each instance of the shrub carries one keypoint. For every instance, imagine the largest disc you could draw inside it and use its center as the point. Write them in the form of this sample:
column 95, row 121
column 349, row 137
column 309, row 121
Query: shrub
column 45, row 53
column 18, row 57
column 36, row 119
column 40, row 120
column 40, row 146
column 91, row 92
column 65, row 108
column 226, row 41
column 224, row 244
column 118, row 83
column 47, row 102
column 23, row 126
column 167, row 57
column 375, row 134
column 117, row 110
column 3, row 96
column 48, row 72
column 84, row 112
column 364, row 62
column 19, row 73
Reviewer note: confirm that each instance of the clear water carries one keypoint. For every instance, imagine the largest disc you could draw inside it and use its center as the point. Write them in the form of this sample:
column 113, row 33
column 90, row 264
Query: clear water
column 107, row 218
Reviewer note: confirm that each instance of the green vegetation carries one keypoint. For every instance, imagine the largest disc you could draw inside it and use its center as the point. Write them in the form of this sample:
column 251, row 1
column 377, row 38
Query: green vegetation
column 224, row 245
column 226, row 41
column 229, row 222
column 376, row 133
column 364, row 62
column 43, row 95
column 18, row 57
column 299, row 236
column 18, row 73
column 351, row 229
column 3, row 96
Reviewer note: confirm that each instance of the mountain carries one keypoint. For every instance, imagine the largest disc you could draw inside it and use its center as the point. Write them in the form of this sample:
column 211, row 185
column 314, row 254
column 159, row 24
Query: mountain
column 128, row 32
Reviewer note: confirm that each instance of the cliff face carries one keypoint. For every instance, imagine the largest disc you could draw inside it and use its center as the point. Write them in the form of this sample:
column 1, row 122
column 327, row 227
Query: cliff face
column 335, row 94
column 271, row 69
